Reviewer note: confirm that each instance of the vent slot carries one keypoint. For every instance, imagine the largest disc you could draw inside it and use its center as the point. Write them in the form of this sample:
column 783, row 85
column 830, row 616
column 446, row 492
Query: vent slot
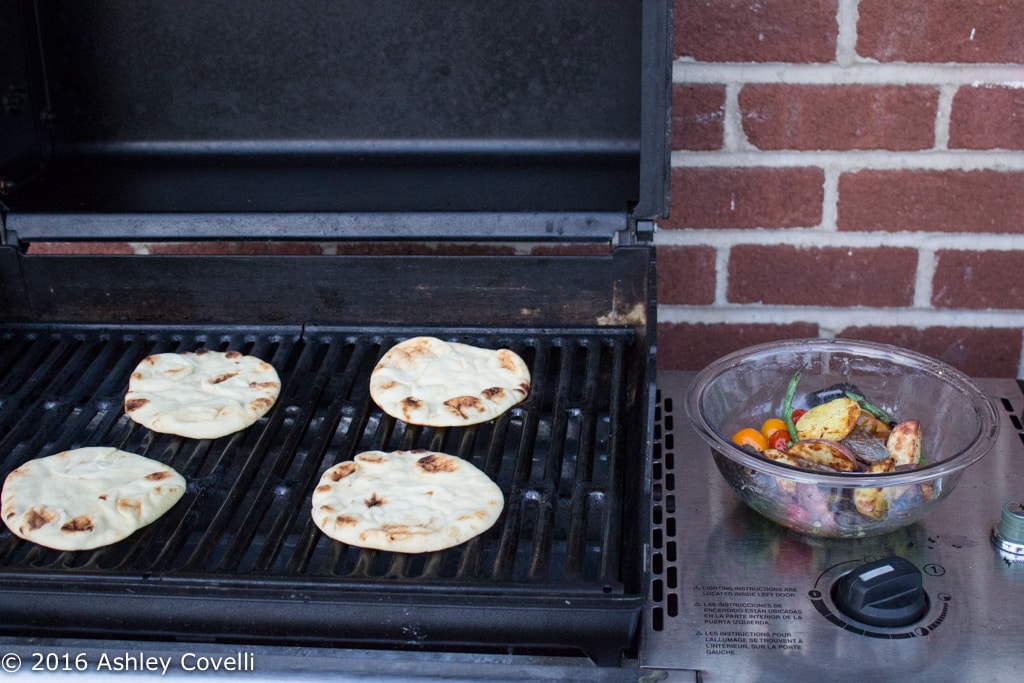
column 664, row 603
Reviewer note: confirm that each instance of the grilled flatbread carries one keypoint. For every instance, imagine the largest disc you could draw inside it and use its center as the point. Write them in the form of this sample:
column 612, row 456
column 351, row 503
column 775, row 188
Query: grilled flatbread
column 202, row 395
column 405, row 501
column 87, row 497
column 427, row 381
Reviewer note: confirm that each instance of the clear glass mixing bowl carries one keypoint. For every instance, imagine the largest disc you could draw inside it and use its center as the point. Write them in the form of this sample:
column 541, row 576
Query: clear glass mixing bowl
column 747, row 387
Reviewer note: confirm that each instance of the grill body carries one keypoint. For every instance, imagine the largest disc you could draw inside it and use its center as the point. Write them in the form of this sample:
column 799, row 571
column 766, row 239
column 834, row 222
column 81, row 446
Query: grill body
column 539, row 124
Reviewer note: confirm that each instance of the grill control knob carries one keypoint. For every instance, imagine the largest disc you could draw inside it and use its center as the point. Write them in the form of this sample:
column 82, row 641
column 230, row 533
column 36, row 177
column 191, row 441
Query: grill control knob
column 886, row 592
column 1009, row 534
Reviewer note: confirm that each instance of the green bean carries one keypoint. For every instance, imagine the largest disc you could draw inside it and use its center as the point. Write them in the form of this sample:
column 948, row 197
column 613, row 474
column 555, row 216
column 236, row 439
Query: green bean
column 871, row 408
column 787, row 406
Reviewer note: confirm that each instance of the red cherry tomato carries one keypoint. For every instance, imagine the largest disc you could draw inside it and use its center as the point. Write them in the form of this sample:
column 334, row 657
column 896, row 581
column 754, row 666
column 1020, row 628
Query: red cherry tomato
column 797, row 413
column 779, row 440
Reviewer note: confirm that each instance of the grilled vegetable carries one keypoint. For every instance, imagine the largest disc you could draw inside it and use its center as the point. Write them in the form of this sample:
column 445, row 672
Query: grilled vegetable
column 832, row 420
column 872, row 502
column 749, row 436
column 841, row 432
column 870, row 408
column 785, row 486
column 779, row 440
column 772, row 425
column 904, row 443
column 831, row 454
column 864, row 445
column 872, row 425
column 787, row 406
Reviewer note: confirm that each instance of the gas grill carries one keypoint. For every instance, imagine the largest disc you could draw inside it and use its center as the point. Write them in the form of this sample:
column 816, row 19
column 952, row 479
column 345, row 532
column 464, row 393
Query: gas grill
column 407, row 123
column 539, row 130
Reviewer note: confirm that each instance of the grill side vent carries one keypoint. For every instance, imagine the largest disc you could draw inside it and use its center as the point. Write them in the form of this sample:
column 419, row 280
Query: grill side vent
column 664, row 603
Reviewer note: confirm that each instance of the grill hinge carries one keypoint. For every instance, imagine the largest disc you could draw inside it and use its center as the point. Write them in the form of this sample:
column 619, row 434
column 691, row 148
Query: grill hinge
column 8, row 238
column 638, row 232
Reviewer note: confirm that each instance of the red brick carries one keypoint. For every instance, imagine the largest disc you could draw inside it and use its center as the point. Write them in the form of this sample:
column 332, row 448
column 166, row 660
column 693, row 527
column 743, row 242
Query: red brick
column 686, row 275
column 765, row 31
column 692, row 346
column 839, row 117
column 73, row 248
column 697, row 115
column 979, row 352
column 941, row 31
column 745, row 197
column 826, row 276
column 940, row 201
column 987, row 117
column 978, row 279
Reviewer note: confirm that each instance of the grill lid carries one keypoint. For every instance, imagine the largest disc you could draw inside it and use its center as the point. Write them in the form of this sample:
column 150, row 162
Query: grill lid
column 134, row 115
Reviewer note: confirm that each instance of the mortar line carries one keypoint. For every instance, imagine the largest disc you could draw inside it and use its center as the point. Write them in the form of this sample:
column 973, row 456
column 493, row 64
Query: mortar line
column 858, row 73
column 838, row 318
column 854, row 160
column 847, row 15
column 943, row 113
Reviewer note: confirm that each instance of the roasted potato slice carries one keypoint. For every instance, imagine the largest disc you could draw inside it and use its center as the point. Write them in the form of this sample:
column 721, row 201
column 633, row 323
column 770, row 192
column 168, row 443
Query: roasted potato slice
column 831, row 421
column 904, row 443
column 785, row 486
column 873, row 502
column 824, row 452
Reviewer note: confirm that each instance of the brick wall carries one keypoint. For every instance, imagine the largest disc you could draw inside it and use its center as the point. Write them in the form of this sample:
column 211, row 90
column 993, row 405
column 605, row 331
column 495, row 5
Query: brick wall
column 846, row 168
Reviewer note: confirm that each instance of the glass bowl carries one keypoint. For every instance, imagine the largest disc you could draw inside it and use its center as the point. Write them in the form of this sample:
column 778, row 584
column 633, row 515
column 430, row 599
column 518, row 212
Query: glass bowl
column 747, row 387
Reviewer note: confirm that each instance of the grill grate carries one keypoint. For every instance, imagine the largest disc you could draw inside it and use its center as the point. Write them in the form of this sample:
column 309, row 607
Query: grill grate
column 243, row 525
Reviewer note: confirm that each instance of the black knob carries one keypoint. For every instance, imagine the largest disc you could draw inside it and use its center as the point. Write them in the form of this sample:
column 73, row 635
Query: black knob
column 886, row 592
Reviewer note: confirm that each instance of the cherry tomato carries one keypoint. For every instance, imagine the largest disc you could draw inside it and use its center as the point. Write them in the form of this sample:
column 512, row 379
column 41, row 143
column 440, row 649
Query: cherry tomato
column 771, row 426
column 779, row 439
column 797, row 413
column 749, row 436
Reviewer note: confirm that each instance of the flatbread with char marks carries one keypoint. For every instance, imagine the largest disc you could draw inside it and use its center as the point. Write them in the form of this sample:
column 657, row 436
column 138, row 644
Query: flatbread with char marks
column 405, row 501
column 87, row 497
column 201, row 395
column 428, row 381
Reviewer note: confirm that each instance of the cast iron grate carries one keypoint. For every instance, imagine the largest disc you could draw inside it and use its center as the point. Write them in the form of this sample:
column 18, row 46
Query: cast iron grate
column 247, row 509
column 244, row 522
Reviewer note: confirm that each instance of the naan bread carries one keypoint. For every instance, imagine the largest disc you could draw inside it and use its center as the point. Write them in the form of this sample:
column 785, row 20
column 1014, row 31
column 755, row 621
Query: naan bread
column 201, row 395
column 427, row 381
column 405, row 501
column 87, row 497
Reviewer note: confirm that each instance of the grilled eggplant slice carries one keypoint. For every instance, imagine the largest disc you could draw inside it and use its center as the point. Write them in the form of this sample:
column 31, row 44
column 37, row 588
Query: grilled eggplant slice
column 865, row 446
column 831, row 421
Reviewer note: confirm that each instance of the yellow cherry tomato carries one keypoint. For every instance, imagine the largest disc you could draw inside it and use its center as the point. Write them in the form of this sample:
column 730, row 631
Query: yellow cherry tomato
column 749, row 436
column 771, row 426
